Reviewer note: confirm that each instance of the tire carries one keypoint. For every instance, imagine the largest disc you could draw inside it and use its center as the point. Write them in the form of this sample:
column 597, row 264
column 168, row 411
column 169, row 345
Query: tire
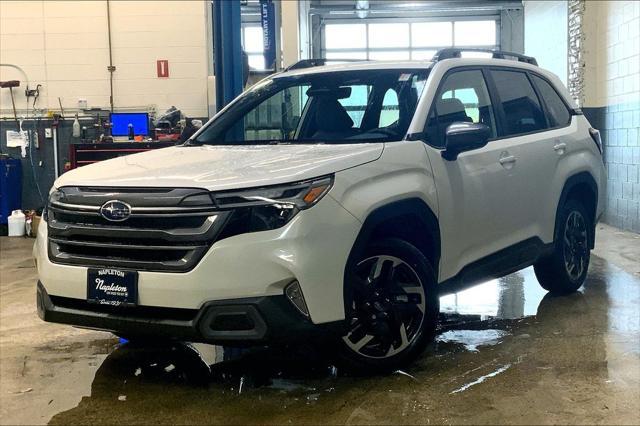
column 565, row 270
column 393, row 287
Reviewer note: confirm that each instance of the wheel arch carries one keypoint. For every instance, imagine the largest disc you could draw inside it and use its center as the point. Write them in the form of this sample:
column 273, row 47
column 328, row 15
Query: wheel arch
column 581, row 187
column 410, row 219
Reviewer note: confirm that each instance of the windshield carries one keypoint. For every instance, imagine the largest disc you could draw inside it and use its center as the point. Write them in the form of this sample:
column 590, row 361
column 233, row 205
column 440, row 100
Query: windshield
column 335, row 107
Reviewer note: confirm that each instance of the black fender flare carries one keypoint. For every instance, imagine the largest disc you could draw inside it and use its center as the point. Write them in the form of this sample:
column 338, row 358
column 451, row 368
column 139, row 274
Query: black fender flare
column 572, row 182
column 396, row 209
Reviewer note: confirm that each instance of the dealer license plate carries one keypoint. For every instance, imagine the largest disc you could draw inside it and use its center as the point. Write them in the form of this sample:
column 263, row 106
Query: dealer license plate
column 113, row 287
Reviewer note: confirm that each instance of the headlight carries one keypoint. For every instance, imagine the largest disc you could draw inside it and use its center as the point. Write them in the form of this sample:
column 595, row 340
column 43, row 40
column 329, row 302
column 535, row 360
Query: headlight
column 270, row 207
column 54, row 195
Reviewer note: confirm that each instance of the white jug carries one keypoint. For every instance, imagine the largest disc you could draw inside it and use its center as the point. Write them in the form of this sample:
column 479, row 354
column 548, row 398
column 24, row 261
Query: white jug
column 16, row 224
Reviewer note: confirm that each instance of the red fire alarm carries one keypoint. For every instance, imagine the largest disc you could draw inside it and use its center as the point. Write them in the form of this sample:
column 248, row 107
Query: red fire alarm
column 163, row 68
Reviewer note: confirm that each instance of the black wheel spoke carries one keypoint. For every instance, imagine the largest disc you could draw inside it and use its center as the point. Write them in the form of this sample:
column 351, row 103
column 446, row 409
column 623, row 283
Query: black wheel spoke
column 388, row 304
column 406, row 310
column 382, row 273
column 575, row 245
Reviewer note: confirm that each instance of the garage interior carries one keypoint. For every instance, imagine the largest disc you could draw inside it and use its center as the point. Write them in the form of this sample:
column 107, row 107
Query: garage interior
column 74, row 73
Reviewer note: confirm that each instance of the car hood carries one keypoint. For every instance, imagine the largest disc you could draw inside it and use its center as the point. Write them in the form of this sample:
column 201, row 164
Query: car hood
column 222, row 167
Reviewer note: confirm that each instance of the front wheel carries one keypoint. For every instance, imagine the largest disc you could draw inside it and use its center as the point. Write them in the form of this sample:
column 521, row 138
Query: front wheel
column 392, row 307
column 565, row 270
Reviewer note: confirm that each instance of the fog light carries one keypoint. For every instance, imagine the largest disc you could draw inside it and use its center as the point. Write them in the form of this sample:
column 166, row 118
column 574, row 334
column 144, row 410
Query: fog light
column 294, row 294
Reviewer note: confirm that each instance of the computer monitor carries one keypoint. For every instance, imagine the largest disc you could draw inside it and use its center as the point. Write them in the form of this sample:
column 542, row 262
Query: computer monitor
column 120, row 123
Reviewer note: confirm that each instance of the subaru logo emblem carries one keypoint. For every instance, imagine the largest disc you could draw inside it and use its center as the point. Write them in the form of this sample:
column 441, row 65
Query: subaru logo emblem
column 115, row 211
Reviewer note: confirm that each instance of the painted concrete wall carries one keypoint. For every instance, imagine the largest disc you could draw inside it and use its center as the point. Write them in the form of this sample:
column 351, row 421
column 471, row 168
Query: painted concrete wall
column 63, row 45
column 545, row 35
column 612, row 97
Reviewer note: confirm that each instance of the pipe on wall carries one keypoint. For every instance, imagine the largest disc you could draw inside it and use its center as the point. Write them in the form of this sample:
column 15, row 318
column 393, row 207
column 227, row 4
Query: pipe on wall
column 110, row 68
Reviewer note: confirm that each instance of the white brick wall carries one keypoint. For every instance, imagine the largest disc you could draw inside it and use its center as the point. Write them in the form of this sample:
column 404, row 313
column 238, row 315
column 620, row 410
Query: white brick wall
column 612, row 82
column 612, row 52
column 63, row 45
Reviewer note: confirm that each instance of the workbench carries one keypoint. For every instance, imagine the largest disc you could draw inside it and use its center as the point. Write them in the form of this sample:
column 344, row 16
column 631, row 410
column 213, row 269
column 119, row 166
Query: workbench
column 81, row 154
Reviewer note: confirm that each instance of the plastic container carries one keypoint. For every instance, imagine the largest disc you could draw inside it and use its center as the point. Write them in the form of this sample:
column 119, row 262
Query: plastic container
column 76, row 128
column 16, row 224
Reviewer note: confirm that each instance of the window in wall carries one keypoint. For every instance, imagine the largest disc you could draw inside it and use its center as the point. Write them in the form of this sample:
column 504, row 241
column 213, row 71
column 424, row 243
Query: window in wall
column 253, row 46
column 425, row 55
column 519, row 102
column 346, row 36
column 558, row 114
column 396, row 55
column 388, row 35
column 407, row 40
column 432, row 34
column 346, row 54
column 463, row 98
column 474, row 33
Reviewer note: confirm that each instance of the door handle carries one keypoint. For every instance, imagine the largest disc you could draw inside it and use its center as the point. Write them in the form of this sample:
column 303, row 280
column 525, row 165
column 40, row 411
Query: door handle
column 560, row 147
column 510, row 159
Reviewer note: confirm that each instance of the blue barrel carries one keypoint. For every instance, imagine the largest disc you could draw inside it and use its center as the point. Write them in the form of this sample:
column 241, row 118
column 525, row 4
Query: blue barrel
column 10, row 187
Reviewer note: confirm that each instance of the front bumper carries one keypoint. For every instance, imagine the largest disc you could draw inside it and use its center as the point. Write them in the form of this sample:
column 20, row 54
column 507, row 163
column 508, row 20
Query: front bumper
column 312, row 249
column 270, row 319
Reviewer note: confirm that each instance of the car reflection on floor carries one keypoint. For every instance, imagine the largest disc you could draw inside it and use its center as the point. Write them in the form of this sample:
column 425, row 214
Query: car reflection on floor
column 501, row 350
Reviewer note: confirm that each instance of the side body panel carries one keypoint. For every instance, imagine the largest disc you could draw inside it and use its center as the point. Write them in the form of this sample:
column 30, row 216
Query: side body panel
column 485, row 207
column 479, row 205
column 402, row 172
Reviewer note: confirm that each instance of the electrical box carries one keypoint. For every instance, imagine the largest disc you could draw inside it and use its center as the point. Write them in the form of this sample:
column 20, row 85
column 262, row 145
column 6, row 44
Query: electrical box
column 48, row 133
column 10, row 187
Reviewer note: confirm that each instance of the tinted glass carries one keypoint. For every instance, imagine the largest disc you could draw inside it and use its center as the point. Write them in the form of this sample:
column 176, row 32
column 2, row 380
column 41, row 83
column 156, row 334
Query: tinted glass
column 558, row 114
column 519, row 102
column 463, row 97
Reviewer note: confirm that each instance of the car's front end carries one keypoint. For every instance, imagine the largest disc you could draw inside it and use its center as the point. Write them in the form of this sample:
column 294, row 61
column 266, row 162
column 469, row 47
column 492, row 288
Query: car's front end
column 192, row 264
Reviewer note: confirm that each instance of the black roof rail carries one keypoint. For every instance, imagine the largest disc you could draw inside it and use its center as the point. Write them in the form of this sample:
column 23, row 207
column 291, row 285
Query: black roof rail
column 453, row 52
column 317, row 62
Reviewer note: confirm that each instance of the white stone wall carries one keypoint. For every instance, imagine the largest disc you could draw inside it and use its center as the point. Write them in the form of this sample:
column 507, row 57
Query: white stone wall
column 612, row 83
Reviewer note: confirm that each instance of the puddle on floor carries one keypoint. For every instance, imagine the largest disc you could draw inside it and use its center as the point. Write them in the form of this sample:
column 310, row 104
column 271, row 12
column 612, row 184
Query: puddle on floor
column 485, row 333
column 472, row 339
column 515, row 296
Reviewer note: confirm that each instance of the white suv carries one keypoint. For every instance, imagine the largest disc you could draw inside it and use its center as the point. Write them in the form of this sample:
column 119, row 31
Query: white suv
column 331, row 201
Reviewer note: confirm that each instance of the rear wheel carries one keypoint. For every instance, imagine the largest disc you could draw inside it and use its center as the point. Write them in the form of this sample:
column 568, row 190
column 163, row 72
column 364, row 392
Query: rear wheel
column 392, row 307
column 565, row 270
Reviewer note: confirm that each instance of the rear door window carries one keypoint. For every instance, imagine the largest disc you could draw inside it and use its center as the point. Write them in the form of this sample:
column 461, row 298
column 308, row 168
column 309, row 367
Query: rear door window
column 557, row 112
column 519, row 103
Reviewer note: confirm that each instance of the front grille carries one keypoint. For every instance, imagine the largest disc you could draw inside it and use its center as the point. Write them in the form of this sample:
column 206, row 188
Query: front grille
column 168, row 230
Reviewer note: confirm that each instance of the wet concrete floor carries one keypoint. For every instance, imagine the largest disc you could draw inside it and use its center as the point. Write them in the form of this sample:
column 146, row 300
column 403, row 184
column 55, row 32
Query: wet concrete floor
column 506, row 353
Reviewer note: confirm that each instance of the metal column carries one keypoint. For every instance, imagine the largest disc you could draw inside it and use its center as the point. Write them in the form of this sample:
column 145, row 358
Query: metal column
column 227, row 46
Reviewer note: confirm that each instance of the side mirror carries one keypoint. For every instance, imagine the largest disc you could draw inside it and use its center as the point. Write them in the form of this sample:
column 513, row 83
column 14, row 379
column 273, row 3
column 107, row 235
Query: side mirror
column 461, row 137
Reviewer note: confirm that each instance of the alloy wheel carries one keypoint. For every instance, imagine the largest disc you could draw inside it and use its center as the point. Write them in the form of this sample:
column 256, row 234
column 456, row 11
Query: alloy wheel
column 575, row 245
column 388, row 307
